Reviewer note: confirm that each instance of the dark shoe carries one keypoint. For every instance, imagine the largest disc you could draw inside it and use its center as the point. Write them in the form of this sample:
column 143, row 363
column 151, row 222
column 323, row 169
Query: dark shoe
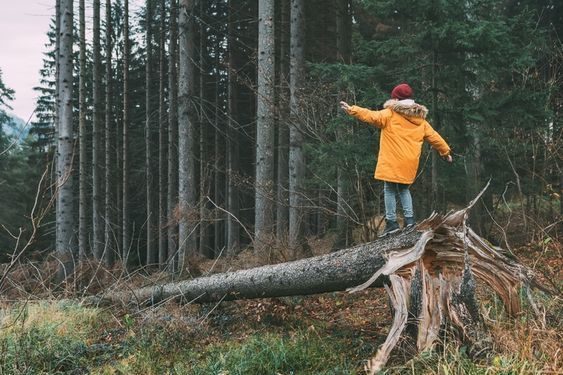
column 409, row 222
column 390, row 228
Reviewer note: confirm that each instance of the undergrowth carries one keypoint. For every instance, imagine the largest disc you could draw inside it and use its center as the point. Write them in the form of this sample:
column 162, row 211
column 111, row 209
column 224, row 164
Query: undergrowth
column 66, row 338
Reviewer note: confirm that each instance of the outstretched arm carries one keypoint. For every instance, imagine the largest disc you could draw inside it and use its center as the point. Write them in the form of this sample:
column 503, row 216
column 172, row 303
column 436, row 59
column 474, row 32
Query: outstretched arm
column 437, row 142
column 375, row 118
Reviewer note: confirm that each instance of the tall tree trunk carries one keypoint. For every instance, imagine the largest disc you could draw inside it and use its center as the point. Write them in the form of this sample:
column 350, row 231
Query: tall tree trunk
column 232, row 145
column 83, row 203
column 57, row 68
column 108, row 217
column 264, row 214
column 173, row 135
column 474, row 171
column 162, row 135
column 434, row 184
column 296, row 155
column 219, row 164
column 186, row 123
column 203, row 144
column 126, row 238
column 152, row 250
column 65, row 244
column 97, row 217
column 475, row 175
column 343, row 42
column 282, row 211
column 117, row 166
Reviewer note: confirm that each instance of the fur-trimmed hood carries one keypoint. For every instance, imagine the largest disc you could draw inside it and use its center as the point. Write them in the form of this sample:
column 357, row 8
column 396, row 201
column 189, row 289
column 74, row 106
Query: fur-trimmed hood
column 407, row 107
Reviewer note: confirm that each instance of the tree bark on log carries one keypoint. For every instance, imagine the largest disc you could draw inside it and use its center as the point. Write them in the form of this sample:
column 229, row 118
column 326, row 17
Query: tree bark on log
column 326, row 273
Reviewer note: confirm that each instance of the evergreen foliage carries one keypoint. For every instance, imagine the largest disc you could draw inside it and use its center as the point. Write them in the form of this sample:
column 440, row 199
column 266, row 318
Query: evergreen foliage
column 18, row 179
column 477, row 66
column 489, row 73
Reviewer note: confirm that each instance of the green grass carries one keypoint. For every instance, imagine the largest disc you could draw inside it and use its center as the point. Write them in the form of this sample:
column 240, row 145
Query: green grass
column 57, row 338
column 45, row 338
column 452, row 360
column 300, row 353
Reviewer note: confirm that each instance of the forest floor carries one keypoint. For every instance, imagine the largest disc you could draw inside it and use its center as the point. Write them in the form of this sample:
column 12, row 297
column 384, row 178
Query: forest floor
column 331, row 333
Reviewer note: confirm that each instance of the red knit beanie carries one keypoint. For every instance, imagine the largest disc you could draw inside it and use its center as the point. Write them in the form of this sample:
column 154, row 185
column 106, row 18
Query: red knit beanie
column 402, row 91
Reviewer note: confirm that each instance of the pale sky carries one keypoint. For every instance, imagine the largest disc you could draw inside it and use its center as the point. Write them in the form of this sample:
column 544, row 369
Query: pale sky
column 23, row 35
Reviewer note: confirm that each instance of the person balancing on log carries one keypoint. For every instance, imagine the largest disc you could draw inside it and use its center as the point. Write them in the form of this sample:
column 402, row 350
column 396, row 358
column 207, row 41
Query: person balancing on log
column 403, row 129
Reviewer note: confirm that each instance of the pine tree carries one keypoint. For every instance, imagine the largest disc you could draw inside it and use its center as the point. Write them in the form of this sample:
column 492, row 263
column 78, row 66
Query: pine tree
column 97, row 216
column 173, row 135
column 151, row 213
column 282, row 104
column 232, row 139
column 43, row 126
column 66, row 247
column 186, row 124
column 126, row 236
column 204, row 156
column 6, row 95
column 343, row 41
column 264, row 207
column 83, row 194
column 109, row 247
column 296, row 155
column 162, row 148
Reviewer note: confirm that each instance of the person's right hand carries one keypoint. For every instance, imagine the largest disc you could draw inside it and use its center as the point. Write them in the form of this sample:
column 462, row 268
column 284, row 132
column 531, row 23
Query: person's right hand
column 448, row 158
column 345, row 106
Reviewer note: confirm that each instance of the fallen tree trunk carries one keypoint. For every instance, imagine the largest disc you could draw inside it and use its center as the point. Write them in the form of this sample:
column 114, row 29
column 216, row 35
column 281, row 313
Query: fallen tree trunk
column 327, row 273
column 431, row 272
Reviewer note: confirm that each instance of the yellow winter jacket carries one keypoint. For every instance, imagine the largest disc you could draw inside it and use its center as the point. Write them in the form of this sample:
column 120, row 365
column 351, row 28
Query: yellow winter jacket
column 403, row 129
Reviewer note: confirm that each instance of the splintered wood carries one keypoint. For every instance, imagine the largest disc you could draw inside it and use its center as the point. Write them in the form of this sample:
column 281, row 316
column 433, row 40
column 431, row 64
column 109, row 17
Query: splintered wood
column 434, row 282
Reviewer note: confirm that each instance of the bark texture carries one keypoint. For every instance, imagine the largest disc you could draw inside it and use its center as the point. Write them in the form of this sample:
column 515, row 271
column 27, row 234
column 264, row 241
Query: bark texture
column 264, row 212
column 296, row 154
column 97, row 224
column 65, row 243
column 151, row 213
column 125, row 143
column 162, row 148
column 172, row 197
column 108, row 215
column 282, row 100
column 232, row 138
column 343, row 56
column 83, row 203
column 326, row 273
column 186, row 124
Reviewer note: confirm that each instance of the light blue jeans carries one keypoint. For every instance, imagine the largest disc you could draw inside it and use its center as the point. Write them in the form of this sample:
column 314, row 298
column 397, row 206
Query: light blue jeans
column 390, row 190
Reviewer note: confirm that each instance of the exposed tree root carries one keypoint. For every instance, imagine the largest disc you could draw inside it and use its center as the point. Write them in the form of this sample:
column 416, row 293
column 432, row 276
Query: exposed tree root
column 434, row 282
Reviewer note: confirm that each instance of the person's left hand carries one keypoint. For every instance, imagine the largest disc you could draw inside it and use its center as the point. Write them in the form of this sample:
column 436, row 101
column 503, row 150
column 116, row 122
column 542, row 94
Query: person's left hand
column 448, row 158
column 345, row 106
